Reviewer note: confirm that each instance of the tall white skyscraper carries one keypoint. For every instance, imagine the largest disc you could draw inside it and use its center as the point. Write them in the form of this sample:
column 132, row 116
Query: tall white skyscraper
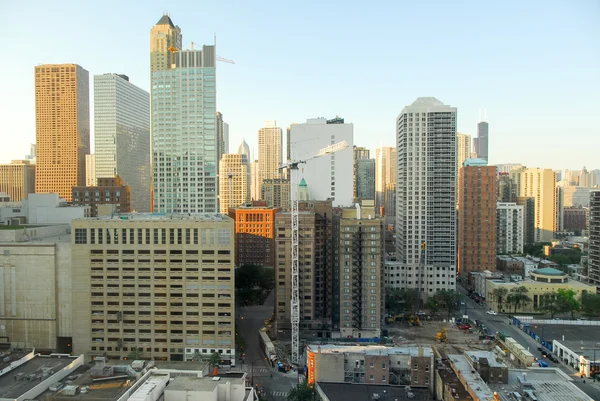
column 426, row 194
column 269, row 152
column 184, row 134
column 329, row 176
column 122, row 135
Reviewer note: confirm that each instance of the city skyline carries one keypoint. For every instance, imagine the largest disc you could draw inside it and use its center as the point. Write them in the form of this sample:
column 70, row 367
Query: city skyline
column 490, row 56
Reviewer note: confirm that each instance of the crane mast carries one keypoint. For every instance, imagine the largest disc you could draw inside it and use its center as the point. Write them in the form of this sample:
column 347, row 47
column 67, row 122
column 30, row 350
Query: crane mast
column 295, row 304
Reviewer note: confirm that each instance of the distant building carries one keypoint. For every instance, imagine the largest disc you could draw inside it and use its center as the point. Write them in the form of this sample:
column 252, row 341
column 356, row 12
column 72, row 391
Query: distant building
column 175, row 265
column 234, row 181
column 269, row 152
column 507, row 167
column 109, row 191
column 506, row 190
column 365, row 179
column 41, row 209
column 17, row 179
column 575, row 219
column 476, row 217
column 528, row 204
column 276, row 193
column 463, row 152
column 90, row 170
column 303, row 192
column 254, row 235
column 594, row 244
column 385, row 181
column 480, row 144
column 360, row 153
column 509, row 228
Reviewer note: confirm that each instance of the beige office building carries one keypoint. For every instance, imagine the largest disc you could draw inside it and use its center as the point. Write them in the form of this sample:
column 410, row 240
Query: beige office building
column 234, row 182
column 269, row 152
column 539, row 184
column 17, row 179
column 62, row 119
column 276, row 193
column 162, row 284
column 90, row 171
column 385, row 180
column 164, row 35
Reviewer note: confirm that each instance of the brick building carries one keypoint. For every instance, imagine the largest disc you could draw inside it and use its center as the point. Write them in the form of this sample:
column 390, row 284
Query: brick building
column 110, row 191
column 254, row 235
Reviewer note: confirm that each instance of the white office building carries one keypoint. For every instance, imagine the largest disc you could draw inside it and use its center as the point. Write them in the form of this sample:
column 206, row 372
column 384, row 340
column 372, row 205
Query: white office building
column 329, row 176
column 122, row 135
column 426, row 194
column 509, row 228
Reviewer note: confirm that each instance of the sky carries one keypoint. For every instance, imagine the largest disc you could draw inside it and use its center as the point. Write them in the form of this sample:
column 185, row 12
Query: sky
column 534, row 65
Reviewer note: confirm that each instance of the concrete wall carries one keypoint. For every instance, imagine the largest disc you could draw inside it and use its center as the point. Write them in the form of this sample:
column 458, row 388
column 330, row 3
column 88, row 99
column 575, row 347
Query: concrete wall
column 330, row 367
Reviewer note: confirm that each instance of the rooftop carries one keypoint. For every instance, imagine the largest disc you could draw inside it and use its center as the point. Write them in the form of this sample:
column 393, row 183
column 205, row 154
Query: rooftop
column 160, row 216
column 491, row 358
column 548, row 385
column 574, row 335
column 165, row 20
column 362, row 392
column 369, row 349
column 471, row 377
column 40, row 365
column 549, row 271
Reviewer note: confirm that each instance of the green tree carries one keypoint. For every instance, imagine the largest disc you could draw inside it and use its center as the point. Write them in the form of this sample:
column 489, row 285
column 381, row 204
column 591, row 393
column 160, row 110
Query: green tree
column 215, row 359
column 499, row 295
column 400, row 300
column 449, row 299
column 549, row 304
column 567, row 302
column 518, row 297
column 302, row 392
column 253, row 283
column 197, row 356
column 432, row 304
column 134, row 354
column 590, row 304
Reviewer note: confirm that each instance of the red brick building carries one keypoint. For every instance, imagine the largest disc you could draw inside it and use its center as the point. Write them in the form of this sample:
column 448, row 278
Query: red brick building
column 109, row 191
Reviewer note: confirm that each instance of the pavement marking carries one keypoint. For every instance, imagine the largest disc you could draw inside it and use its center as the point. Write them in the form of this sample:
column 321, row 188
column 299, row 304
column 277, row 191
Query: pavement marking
column 278, row 393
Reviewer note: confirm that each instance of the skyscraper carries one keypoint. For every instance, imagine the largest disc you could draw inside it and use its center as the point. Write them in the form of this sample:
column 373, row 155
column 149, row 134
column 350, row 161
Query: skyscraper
column 385, row 181
column 476, row 218
column 269, row 152
column 365, row 179
column 480, row 144
column 594, row 233
column 164, row 36
column 463, row 149
column 222, row 135
column 539, row 184
column 90, row 170
column 234, row 181
column 426, row 192
column 509, row 228
column 506, row 188
column 122, row 135
column 184, row 134
column 360, row 153
column 17, row 179
column 62, row 117
column 329, row 176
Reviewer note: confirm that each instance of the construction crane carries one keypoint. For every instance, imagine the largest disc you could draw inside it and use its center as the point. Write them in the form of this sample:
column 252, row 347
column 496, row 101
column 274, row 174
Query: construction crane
column 414, row 319
column 292, row 167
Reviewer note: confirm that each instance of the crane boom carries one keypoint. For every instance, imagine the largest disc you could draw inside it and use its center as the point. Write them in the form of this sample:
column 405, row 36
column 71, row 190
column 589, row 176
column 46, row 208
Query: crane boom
column 295, row 305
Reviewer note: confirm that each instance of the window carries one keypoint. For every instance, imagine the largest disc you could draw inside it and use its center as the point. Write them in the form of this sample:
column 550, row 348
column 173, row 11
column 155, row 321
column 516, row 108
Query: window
column 81, row 236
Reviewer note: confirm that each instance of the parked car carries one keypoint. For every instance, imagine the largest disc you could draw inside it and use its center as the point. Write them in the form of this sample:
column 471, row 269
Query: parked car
column 491, row 312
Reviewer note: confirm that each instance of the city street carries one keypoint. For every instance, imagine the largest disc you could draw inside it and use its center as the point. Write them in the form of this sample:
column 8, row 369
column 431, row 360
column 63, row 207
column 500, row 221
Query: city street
column 272, row 383
column 501, row 323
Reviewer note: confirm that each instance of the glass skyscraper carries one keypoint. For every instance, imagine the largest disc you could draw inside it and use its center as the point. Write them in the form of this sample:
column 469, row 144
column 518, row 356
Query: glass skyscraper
column 184, row 134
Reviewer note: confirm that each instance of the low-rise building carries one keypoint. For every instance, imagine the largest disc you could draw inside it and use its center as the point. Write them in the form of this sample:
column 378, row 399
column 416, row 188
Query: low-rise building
column 41, row 209
column 362, row 392
column 108, row 191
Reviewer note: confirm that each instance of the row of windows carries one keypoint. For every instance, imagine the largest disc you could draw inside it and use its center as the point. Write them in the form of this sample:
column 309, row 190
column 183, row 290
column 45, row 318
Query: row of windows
column 209, row 236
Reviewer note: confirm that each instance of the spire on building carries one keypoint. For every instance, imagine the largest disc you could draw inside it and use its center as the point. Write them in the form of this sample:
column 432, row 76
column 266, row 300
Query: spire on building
column 303, row 193
column 244, row 150
column 165, row 20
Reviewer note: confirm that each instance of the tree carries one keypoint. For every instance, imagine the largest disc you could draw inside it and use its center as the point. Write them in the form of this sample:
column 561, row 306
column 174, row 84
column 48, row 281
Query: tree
column 567, row 302
column 215, row 359
column 499, row 294
column 449, row 299
column 432, row 304
column 518, row 297
column 134, row 354
column 399, row 300
column 590, row 304
column 253, row 283
column 197, row 356
column 302, row 392
column 549, row 304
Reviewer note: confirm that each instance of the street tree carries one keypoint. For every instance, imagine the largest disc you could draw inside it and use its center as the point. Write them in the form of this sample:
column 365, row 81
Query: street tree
column 590, row 304
column 215, row 359
column 518, row 297
column 134, row 354
column 499, row 295
column 549, row 304
column 567, row 302
column 449, row 299
column 302, row 392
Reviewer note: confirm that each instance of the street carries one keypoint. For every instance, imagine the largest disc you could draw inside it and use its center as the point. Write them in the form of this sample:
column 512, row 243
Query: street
column 501, row 323
column 272, row 383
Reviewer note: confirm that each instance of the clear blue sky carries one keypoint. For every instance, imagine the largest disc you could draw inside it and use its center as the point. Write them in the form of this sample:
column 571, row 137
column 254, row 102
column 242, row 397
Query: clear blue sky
column 535, row 65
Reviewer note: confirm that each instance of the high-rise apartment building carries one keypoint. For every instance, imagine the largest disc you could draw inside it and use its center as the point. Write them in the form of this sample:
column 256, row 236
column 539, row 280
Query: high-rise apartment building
column 426, row 193
column 161, row 284
column 122, row 135
column 385, row 181
column 90, row 170
column 165, row 41
column 575, row 219
column 62, row 127
column 463, row 149
column 255, row 184
column 234, row 181
column 184, row 134
column 480, row 144
column 594, row 233
column 506, row 188
column 276, row 193
column 222, row 135
column 509, row 228
column 539, row 184
column 17, row 179
column 269, row 151
column 330, row 176
column 360, row 153
column 365, row 179
column 528, row 204
column 254, row 235
column 476, row 217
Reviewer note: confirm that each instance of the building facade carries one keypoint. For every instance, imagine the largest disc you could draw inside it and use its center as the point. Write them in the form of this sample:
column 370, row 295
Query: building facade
column 506, row 189
column 122, row 135
column 276, row 193
column 463, row 149
column 594, row 233
column 476, row 217
column 254, row 235
column 480, row 144
column 575, row 219
column 109, row 191
column 528, row 204
column 62, row 127
column 360, row 153
column 269, row 151
column 539, row 184
column 509, row 228
column 163, row 36
column 17, row 179
column 385, row 181
column 90, row 170
column 426, row 192
column 330, row 176
column 184, row 134
column 365, row 179
column 234, row 182
column 160, row 284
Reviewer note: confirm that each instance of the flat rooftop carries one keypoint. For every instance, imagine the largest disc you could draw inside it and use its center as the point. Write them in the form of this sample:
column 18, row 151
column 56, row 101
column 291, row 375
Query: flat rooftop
column 548, row 385
column 370, row 349
column 450, row 378
column 160, row 217
column 12, row 389
column 574, row 335
column 491, row 358
column 362, row 392
column 471, row 377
